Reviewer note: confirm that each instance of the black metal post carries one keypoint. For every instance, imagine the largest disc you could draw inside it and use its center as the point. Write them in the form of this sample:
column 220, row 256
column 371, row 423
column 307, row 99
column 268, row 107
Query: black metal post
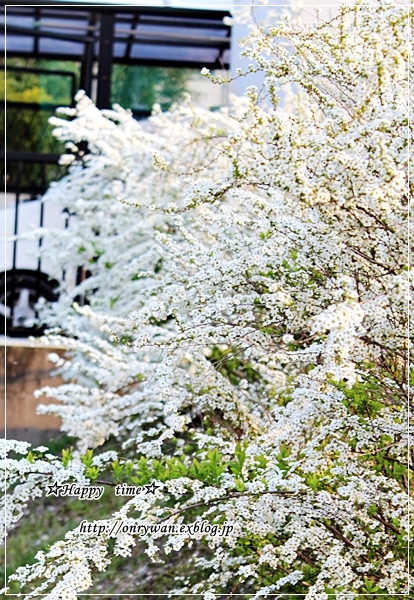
column 36, row 39
column 16, row 213
column 15, row 231
column 105, row 58
column 130, row 43
column 87, row 62
column 39, row 261
column 43, row 190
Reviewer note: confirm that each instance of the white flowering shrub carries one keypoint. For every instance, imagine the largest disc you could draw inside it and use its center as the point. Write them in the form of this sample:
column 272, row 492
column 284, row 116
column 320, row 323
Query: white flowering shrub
column 245, row 341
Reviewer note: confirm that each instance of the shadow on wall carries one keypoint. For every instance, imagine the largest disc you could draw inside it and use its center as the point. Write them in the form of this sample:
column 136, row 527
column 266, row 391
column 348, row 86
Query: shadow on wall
column 27, row 369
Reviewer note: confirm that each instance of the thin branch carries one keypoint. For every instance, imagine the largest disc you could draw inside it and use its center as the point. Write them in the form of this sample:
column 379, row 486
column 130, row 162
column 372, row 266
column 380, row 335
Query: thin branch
column 229, row 497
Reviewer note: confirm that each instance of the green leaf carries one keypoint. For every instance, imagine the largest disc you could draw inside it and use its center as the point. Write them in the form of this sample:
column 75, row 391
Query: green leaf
column 67, row 456
column 117, row 469
column 87, row 458
column 92, row 472
column 240, row 486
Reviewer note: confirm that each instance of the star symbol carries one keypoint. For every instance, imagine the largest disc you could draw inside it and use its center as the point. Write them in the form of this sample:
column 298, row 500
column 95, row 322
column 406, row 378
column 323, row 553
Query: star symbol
column 151, row 488
column 53, row 489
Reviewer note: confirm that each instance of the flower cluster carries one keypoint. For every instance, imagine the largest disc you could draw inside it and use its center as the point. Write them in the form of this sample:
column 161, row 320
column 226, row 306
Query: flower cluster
column 248, row 294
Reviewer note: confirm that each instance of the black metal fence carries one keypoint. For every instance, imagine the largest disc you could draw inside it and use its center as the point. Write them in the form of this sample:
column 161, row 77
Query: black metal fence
column 90, row 39
column 23, row 287
column 29, row 163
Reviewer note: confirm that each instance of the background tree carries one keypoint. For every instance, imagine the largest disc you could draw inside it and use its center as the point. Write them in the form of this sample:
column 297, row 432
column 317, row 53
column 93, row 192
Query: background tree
column 140, row 87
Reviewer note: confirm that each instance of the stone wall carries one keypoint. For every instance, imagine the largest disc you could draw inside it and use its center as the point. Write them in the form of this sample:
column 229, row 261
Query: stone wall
column 25, row 369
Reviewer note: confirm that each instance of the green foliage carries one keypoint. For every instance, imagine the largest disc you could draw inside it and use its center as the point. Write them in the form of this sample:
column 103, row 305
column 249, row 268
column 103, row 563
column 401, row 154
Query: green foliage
column 207, row 467
column 117, row 470
column 209, row 470
column 365, row 399
column 28, row 129
column 67, row 456
column 140, row 87
column 87, row 458
column 236, row 466
column 30, row 457
column 91, row 471
column 232, row 366
column 283, row 458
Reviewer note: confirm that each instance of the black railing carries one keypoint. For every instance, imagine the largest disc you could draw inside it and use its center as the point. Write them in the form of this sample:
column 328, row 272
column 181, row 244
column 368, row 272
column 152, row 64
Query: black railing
column 23, row 287
column 95, row 37
column 21, row 160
